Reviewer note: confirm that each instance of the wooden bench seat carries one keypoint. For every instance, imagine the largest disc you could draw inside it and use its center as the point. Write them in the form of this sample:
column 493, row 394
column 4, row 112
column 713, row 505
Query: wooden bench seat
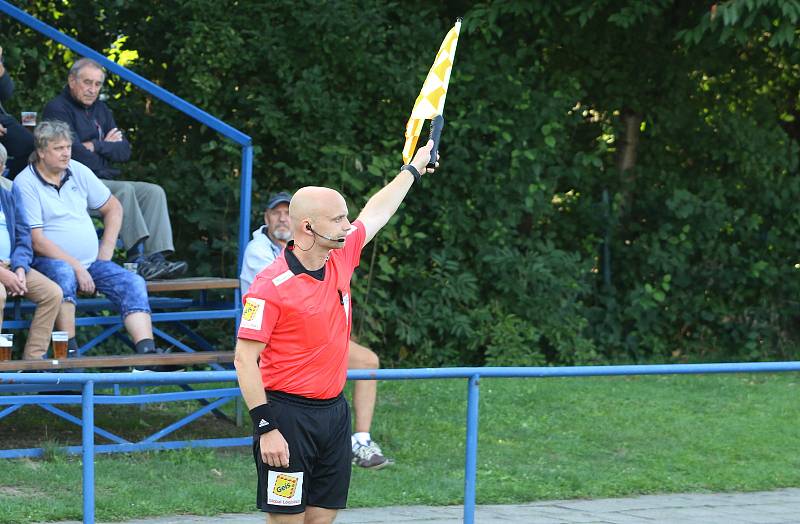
column 191, row 284
column 119, row 361
column 184, row 300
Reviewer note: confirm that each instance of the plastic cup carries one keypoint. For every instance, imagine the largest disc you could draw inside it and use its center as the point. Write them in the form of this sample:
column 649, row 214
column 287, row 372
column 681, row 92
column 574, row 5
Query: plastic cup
column 60, row 339
column 6, row 345
column 28, row 118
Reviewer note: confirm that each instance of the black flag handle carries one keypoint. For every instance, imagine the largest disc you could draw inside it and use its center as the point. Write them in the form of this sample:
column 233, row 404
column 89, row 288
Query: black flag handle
column 437, row 124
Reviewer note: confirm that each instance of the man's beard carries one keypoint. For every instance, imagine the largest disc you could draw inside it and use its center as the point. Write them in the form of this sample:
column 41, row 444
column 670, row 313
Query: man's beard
column 282, row 234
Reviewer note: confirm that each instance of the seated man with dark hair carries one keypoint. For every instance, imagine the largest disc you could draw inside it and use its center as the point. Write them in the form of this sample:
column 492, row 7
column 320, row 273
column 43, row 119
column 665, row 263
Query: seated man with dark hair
column 55, row 193
column 16, row 139
column 146, row 229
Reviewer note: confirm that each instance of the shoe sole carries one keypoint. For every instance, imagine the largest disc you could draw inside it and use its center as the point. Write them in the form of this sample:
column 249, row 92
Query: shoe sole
column 385, row 463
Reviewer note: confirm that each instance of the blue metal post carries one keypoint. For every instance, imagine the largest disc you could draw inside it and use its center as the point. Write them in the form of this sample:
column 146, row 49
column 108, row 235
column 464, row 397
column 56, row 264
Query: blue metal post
column 152, row 88
column 88, row 452
column 471, row 462
column 244, row 203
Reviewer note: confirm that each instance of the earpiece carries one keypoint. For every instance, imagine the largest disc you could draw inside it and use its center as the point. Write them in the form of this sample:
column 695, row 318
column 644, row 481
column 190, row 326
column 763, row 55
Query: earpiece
column 308, row 226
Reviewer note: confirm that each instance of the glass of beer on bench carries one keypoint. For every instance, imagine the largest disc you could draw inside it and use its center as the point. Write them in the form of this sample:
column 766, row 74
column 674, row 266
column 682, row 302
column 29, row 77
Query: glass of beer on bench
column 6, row 344
column 60, row 344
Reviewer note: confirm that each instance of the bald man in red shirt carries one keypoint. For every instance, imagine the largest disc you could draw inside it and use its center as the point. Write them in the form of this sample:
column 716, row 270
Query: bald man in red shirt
column 291, row 352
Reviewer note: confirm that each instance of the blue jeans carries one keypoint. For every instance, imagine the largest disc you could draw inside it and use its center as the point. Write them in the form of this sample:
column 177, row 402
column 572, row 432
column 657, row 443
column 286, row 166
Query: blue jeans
column 126, row 290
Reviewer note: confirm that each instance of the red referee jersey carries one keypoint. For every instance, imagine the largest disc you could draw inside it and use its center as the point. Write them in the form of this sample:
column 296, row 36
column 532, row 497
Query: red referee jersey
column 304, row 322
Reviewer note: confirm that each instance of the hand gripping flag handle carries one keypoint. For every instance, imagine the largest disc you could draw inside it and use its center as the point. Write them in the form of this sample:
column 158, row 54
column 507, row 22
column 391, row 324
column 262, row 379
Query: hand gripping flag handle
column 437, row 124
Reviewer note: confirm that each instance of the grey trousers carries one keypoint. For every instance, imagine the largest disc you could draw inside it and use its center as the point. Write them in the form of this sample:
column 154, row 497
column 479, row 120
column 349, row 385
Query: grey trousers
column 145, row 215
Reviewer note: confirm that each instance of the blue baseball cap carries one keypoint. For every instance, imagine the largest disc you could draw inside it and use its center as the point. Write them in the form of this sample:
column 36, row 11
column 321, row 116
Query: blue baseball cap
column 278, row 198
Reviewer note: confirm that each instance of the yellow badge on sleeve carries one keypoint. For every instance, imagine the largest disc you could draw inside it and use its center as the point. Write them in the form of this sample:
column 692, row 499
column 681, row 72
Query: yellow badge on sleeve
column 253, row 313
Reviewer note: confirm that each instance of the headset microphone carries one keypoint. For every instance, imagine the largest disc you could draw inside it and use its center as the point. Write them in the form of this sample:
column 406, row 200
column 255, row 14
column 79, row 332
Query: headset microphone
column 308, row 226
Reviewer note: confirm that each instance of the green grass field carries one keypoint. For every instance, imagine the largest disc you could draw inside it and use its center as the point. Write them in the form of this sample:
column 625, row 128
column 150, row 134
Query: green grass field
column 539, row 439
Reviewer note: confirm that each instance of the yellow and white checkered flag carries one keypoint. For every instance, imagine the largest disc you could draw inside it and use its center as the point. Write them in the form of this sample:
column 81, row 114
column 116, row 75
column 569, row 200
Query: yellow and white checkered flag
column 430, row 102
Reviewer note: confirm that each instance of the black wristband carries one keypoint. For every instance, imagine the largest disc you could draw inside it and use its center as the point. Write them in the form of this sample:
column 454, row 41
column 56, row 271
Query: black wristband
column 263, row 419
column 413, row 170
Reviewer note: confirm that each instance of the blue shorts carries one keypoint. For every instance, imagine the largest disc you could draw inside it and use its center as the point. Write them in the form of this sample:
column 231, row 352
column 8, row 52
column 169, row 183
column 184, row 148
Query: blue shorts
column 126, row 290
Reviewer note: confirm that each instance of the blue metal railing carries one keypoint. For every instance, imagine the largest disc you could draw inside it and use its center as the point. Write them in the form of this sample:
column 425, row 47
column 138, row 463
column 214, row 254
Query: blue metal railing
column 164, row 95
column 90, row 380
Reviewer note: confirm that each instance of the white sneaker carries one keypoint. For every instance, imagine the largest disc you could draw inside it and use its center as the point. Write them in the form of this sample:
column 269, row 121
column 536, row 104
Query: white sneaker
column 369, row 456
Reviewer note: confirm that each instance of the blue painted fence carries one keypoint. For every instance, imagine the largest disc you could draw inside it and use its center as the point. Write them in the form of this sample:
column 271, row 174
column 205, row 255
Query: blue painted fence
column 89, row 381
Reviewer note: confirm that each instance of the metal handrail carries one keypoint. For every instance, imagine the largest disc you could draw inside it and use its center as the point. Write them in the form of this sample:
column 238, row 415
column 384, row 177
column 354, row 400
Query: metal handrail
column 89, row 380
column 162, row 94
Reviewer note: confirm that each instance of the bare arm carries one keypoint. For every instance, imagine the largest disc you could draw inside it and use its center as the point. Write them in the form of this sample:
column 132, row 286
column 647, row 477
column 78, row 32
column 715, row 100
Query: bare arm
column 383, row 204
column 245, row 360
column 274, row 448
column 112, row 221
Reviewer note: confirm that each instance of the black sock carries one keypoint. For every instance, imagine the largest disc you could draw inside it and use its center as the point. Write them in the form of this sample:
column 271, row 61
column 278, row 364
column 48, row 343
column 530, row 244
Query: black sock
column 146, row 345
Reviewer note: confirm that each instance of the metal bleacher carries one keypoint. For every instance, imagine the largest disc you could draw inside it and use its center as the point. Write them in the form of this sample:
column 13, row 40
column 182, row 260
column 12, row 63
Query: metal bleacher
column 195, row 304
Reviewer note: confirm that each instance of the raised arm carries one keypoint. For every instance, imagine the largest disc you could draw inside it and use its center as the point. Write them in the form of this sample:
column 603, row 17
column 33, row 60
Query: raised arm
column 383, row 204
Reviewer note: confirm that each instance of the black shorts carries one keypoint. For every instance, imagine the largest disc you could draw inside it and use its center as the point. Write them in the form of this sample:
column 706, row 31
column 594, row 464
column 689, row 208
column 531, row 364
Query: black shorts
column 318, row 433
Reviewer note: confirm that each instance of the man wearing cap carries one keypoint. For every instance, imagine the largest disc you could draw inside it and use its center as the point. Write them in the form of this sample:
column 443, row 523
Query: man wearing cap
column 268, row 241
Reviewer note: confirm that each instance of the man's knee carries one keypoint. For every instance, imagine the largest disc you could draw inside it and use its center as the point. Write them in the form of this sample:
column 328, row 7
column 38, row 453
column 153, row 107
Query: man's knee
column 124, row 191
column 362, row 357
column 280, row 518
column 152, row 192
column 53, row 293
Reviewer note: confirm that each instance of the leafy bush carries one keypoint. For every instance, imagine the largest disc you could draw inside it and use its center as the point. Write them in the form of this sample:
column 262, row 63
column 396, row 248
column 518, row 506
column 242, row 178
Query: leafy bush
column 535, row 242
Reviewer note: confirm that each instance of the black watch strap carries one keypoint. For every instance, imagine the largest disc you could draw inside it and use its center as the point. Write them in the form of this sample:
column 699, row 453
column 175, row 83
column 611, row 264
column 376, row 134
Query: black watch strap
column 413, row 170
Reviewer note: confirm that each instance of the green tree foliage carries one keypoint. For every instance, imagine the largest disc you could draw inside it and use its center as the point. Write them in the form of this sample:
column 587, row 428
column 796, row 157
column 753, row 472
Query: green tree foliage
column 619, row 178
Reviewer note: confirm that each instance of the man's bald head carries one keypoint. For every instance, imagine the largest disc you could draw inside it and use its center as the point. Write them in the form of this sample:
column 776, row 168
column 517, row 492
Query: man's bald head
column 317, row 206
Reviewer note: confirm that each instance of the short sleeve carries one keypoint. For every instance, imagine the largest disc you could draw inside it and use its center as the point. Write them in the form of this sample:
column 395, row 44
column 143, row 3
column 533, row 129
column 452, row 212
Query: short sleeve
column 28, row 196
column 259, row 315
column 97, row 194
column 351, row 253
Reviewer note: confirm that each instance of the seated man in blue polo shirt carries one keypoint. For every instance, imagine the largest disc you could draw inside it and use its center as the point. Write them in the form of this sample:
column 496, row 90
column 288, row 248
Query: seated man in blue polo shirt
column 55, row 192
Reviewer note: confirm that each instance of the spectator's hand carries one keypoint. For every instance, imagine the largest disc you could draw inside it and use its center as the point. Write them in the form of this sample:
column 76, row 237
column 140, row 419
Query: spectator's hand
column 115, row 135
column 3, row 129
column 88, row 145
column 23, row 280
column 85, row 282
column 274, row 449
column 423, row 156
column 9, row 279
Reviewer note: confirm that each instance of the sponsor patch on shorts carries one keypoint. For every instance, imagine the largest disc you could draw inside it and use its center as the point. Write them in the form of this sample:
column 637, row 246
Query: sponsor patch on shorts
column 253, row 313
column 284, row 489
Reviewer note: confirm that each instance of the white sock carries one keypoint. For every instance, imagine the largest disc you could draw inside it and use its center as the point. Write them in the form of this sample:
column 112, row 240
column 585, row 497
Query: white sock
column 362, row 437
